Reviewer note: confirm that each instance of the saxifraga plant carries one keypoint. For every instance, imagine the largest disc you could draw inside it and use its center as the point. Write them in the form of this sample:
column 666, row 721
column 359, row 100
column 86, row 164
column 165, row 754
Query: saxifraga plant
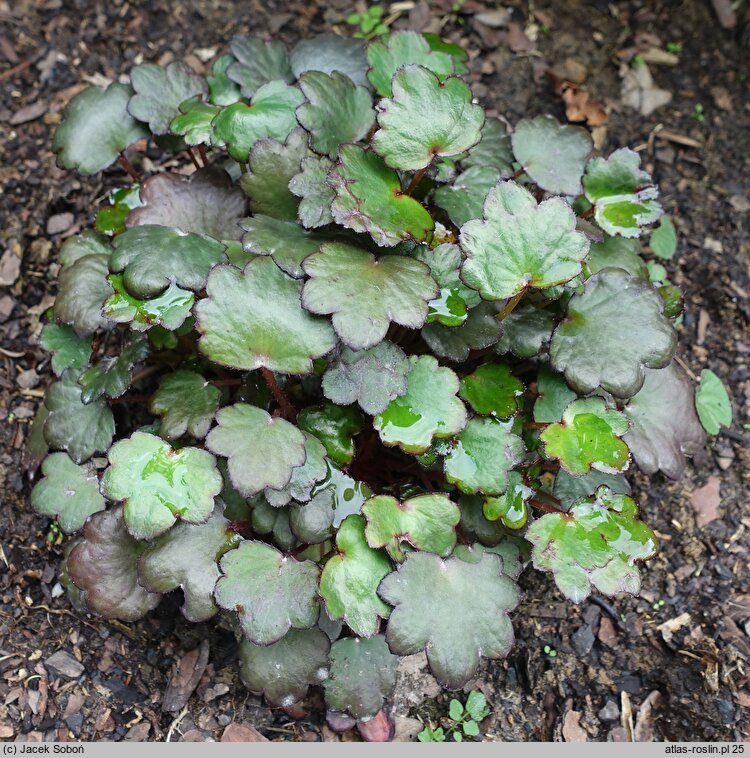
column 390, row 353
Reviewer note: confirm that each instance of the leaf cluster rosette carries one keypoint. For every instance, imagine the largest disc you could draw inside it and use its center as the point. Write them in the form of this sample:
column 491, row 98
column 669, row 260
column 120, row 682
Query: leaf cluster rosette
column 390, row 352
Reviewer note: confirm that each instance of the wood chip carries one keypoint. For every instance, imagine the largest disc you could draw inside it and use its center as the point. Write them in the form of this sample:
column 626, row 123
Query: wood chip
column 186, row 674
column 706, row 501
column 669, row 628
column 242, row 733
column 679, row 139
column 29, row 113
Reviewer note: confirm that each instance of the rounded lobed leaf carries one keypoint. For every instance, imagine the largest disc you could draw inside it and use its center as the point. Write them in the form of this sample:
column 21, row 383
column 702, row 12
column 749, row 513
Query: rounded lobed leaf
column 336, row 110
column 623, row 318
column 595, row 544
column 483, row 455
column 304, row 477
column 104, row 566
column 664, row 427
column 520, row 244
column 257, row 64
column 480, row 330
column 67, row 348
column 525, row 330
column 335, row 427
column 186, row 557
column 82, row 290
column 169, row 310
column 329, row 53
column 409, row 141
column 207, row 203
column 187, row 403
column 369, row 199
column 271, row 593
column 492, row 390
column 426, row 522
column 111, row 375
column 364, row 293
column 316, row 195
column 68, row 493
column 362, row 674
column 283, row 671
column 511, row 508
column 159, row 92
column 403, row 48
column 159, row 485
column 271, row 113
column 194, row 122
column 569, row 489
column 429, row 408
column 96, row 128
column 553, row 398
column 553, row 156
column 371, row 378
column 470, row 621
column 588, row 437
column 80, row 429
column 262, row 451
column 254, row 319
column 349, row 582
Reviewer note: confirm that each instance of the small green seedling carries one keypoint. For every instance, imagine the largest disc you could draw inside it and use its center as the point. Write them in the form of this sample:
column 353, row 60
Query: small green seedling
column 550, row 651
column 370, row 23
column 463, row 721
column 699, row 113
column 675, row 48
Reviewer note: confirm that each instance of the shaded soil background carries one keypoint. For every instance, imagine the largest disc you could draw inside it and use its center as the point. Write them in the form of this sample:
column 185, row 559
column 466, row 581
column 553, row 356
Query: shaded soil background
column 672, row 664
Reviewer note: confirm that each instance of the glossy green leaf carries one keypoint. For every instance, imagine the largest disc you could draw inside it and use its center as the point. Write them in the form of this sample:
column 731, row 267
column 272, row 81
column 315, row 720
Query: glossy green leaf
column 105, row 566
column 494, row 150
column 111, row 375
column 622, row 194
column 664, row 426
column 364, row 293
column 511, row 508
column 426, row 522
column 348, row 494
column 553, row 155
column 464, row 198
column 484, row 453
column 568, row 489
column 186, row 403
column 712, row 403
column 429, row 408
column 617, row 252
column 152, row 257
column 81, row 430
column 262, row 451
column 470, row 621
column 187, row 557
column 349, row 582
column 304, row 477
column 312, row 522
column 525, row 330
column 271, row 113
column 82, row 289
column 68, row 493
column 371, row 377
column 480, row 330
column 520, row 244
column 221, row 89
column 284, row 670
column 622, row 318
column 362, row 675
column 111, row 219
column 459, row 55
column 194, row 121
column 369, row 199
column 335, row 427
column 409, row 141
column 159, row 485
column 205, row 203
column 595, row 544
column 328, row 53
column 168, row 310
column 492, row 390
column 67, row 348
column 588, row 437
column 402, row 48
column 336, row 111
column 475, row 524
column 254, row 318
column 159, row 92
column 663, row 241
column 96, row 128
column 316, row 195
column 272, row 166
column 257, row 64
column 554, row 396
column 271, row 593
column 274, row 522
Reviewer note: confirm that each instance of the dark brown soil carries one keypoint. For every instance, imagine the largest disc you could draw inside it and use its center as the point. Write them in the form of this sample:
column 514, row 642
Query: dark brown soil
column 576, row 671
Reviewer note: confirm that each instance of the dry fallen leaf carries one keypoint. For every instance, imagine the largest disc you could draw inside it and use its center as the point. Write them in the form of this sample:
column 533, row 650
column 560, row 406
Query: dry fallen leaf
column 706, row 501
column 639, row 91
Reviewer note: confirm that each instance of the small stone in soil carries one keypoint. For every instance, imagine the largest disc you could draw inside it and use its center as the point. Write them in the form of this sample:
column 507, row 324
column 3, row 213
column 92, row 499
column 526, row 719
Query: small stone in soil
column 64, row 664
column 610, row 711
column 630, row 683
column 583, row 640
